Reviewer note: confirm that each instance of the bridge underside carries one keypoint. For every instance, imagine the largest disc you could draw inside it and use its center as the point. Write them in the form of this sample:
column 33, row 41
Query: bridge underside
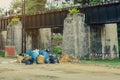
column 105, row 14
column 102, row 13
column 41, row 20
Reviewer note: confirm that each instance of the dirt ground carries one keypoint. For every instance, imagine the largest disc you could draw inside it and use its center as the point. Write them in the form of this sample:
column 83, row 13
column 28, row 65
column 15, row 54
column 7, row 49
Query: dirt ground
column 10, row 70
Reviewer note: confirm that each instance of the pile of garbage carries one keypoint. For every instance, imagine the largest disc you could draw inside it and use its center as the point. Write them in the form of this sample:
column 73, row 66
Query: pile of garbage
column 68, row 58
column 37, row 56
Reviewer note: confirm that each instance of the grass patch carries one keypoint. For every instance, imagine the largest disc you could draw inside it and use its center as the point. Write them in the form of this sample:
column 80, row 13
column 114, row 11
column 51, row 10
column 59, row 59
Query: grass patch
column 106, row 62
column 2, row 54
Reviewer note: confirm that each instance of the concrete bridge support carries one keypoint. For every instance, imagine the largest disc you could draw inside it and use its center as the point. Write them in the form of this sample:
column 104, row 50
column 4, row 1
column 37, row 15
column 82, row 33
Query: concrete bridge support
column 14, row 37
column 3, row 36
column 38, row 38
column 100, row 41
column 45, row 38
column 109, row 41
column 28, row 40
column 104, row 41
column 75, row 38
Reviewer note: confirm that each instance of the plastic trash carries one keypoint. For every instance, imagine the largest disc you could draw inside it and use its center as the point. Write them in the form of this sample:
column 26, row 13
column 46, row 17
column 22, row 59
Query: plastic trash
column 53, row 58
column 34, row 55
column 40, row 59
column 41, row 52
column 46, row 56
column 29, row 62
column 29, row 52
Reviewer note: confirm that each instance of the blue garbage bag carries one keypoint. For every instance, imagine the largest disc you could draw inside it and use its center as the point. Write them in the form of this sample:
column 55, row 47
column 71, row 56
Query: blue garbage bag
column 46, row 57
column 41, row 52
column 29, row 52
column 33, row 54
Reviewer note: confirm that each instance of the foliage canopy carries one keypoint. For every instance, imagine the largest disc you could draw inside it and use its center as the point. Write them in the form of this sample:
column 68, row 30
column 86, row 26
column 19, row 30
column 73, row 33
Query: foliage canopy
column 32, row 6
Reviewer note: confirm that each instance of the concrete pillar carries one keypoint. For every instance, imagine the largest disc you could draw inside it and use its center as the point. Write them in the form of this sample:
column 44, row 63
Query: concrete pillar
column 14, row 37
column 28, row 41
column 45, row 38
column 88, row 38
column 108, row 38
column 103, row 35
column 112, row 39
column 75, row 40
column 18, row 37
column 3, row 35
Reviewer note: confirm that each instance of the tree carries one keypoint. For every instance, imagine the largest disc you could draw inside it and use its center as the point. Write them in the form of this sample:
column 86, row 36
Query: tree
column 32, row 6
column 15, row 4
column 1, row 12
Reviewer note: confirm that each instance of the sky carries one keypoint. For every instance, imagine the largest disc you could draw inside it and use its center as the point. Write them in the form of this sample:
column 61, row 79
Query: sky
column 5, row 4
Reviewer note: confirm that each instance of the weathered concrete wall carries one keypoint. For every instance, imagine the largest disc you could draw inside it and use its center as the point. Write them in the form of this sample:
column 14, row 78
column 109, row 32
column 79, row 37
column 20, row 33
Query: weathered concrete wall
column 28, row 41
column 45, row 38
column 95, row 39
column 104, row 41
column 75, row 39
column 3, row 36
column 38, row 38
column 110, row 41
column 14, row 37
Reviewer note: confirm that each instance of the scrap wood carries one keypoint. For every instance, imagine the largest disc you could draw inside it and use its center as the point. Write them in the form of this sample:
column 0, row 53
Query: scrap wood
column 40, row 59
column 68, row 58
column 73, row 58
column 19, row 59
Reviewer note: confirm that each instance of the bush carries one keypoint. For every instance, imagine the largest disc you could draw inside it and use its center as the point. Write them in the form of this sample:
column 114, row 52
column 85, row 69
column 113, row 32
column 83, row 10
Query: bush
column 57, row 50
column 57, row 37
column 2, row 54
column 73, row 11
column 13, row 21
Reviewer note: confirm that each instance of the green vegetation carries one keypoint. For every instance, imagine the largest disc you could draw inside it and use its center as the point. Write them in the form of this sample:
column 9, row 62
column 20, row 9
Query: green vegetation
column 2, row 54
column 57, row 50
column 32, row 6
column 95, row 1
column 1, row 10
column 13, row 21
column 106, row 62
column 57, row 42
column 73, row 11
column 57, row 37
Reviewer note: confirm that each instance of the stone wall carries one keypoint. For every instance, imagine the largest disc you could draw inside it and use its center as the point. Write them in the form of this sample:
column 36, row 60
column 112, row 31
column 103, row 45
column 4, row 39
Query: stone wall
column 75, row 38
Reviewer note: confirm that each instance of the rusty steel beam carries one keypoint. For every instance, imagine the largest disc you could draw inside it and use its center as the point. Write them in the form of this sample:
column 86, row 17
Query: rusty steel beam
column 53, row 18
